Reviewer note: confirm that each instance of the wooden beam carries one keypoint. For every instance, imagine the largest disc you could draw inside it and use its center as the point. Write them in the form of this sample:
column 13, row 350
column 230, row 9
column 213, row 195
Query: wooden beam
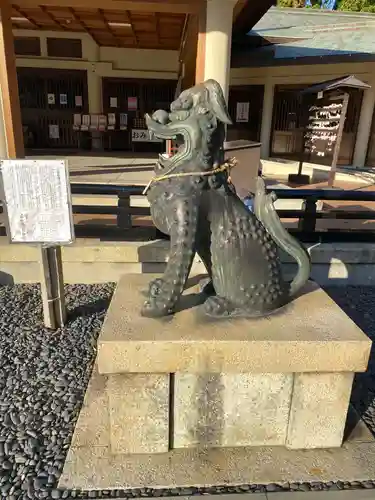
column 83, row 26
column 134, row 33
column 238, row 8
column 157, row 26
column 188, row 52
column 192, row 52
column 201, row 46
column 22, row 14
column 172, row 6
column 105, row 21
column 9, row 85
column 52, row 17
column 247, row 14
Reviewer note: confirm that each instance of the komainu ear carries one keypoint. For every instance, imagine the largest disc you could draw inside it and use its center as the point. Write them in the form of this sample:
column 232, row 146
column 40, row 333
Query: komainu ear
column 217, row 101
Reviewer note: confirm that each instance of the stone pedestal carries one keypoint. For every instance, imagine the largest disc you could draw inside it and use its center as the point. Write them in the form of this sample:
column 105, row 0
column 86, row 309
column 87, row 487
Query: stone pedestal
column 191, row 382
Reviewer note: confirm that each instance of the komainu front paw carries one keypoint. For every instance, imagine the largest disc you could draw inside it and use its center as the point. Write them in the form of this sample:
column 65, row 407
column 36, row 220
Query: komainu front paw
column 218, row 306
column 154, row 308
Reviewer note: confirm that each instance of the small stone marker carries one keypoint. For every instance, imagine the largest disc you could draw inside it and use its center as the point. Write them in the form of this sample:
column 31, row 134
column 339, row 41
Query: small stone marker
column 38, row 207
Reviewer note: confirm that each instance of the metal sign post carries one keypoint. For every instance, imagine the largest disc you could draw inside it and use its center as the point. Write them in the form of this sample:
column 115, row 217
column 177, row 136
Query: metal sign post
column 52, row 287
column 38, row 208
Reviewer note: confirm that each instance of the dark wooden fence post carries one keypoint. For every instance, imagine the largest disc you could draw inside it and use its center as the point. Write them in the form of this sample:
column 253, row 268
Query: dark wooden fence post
column 307, row 222
column 124, row 219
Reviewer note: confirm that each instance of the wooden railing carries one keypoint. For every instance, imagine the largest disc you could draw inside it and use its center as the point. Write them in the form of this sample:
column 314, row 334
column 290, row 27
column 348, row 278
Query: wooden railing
column 125, row 225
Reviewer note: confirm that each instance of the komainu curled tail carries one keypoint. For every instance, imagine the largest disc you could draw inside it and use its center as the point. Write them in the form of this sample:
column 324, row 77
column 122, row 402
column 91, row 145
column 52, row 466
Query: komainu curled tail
column 265, row 211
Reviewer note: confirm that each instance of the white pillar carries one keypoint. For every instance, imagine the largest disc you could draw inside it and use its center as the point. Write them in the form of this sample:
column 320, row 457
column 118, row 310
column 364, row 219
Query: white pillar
column 364, row 127
column 267, row 114
column 219, row 20
column 94, row 89
column 43, row 45
column 3, row 139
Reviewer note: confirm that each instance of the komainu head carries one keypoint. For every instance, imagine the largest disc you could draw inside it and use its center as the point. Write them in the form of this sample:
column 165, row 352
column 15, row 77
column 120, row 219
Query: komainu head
column 206, row 98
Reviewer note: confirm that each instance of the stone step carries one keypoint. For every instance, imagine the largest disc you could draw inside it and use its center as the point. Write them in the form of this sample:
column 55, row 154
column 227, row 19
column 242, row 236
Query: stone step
column 95, row 261
column 92, row 465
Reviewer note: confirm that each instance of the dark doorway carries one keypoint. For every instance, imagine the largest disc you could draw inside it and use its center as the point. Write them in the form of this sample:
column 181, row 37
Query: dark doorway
column 49, row 99
column 134, row 98
column 245, row 109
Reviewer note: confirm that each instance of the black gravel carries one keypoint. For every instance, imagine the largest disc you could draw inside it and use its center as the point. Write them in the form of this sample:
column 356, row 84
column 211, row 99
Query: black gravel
column 43, row 378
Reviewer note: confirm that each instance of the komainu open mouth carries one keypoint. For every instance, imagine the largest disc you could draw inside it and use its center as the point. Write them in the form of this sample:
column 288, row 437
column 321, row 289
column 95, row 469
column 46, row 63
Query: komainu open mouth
column 162, row 130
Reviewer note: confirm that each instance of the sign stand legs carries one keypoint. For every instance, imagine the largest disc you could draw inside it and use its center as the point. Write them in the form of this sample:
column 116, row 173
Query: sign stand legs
column 52, row 285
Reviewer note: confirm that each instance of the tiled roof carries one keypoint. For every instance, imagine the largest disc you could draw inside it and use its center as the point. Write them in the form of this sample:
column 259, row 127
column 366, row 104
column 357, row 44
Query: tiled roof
column 282, row 22
column 316, row 33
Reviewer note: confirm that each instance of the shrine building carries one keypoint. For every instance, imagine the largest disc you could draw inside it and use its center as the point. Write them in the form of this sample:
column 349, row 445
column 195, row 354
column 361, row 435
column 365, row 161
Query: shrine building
column 78, row 75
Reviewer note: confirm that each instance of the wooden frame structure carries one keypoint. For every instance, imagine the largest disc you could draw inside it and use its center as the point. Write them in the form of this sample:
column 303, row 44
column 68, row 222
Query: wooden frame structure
column 143, row 24
column 336, row 90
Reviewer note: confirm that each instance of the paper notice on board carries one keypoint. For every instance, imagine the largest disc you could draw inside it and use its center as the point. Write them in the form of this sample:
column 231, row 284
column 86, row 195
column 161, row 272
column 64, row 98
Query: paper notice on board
column 77, row 120
column 102, row 122
column 85, row 122
column 132, row 103
column 111, row 121
column 54, row 131
column 242, row 112
column 94, row 122
column 123, row 121
column 63, row 99
column 113, row 102
column 78, row 101
column 51, row 98
column 37, row 200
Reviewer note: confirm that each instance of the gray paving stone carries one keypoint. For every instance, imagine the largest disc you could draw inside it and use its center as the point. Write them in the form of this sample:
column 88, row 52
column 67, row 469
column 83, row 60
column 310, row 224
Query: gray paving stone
column 323, row 495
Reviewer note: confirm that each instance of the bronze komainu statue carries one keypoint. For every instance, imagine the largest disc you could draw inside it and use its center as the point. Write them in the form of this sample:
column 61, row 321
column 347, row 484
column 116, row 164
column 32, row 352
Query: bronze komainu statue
column 193, row 202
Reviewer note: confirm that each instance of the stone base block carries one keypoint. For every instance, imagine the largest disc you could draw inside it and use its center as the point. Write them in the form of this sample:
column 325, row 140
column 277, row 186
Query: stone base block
column 312, row 334
column 91, row 464
column 300, row 411
column 318, row 410
column 138, row 413
column 280, row 380
column 215, row 410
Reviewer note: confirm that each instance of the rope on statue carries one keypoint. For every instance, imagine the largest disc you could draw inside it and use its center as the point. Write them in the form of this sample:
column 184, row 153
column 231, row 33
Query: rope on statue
column 227, row 166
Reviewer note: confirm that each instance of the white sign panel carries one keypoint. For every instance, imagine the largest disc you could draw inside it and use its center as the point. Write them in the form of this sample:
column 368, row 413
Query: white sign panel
column 51, row 98
column 37, row 201
column 132, row 103
column 54, row 131
column 141, row 135
column 242, row 112
column 78, row 101
column 63, row 99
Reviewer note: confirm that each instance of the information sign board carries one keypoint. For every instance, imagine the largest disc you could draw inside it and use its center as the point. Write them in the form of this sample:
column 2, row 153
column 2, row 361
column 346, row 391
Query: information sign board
column 143, row 135
column 37, row 201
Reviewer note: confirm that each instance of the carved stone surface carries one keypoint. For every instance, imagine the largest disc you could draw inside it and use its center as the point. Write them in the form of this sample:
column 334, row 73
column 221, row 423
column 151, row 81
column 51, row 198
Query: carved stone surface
column 318, row 409
column 231, row 409
column 312, row 335
column 192, row 201
column 138, row 412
